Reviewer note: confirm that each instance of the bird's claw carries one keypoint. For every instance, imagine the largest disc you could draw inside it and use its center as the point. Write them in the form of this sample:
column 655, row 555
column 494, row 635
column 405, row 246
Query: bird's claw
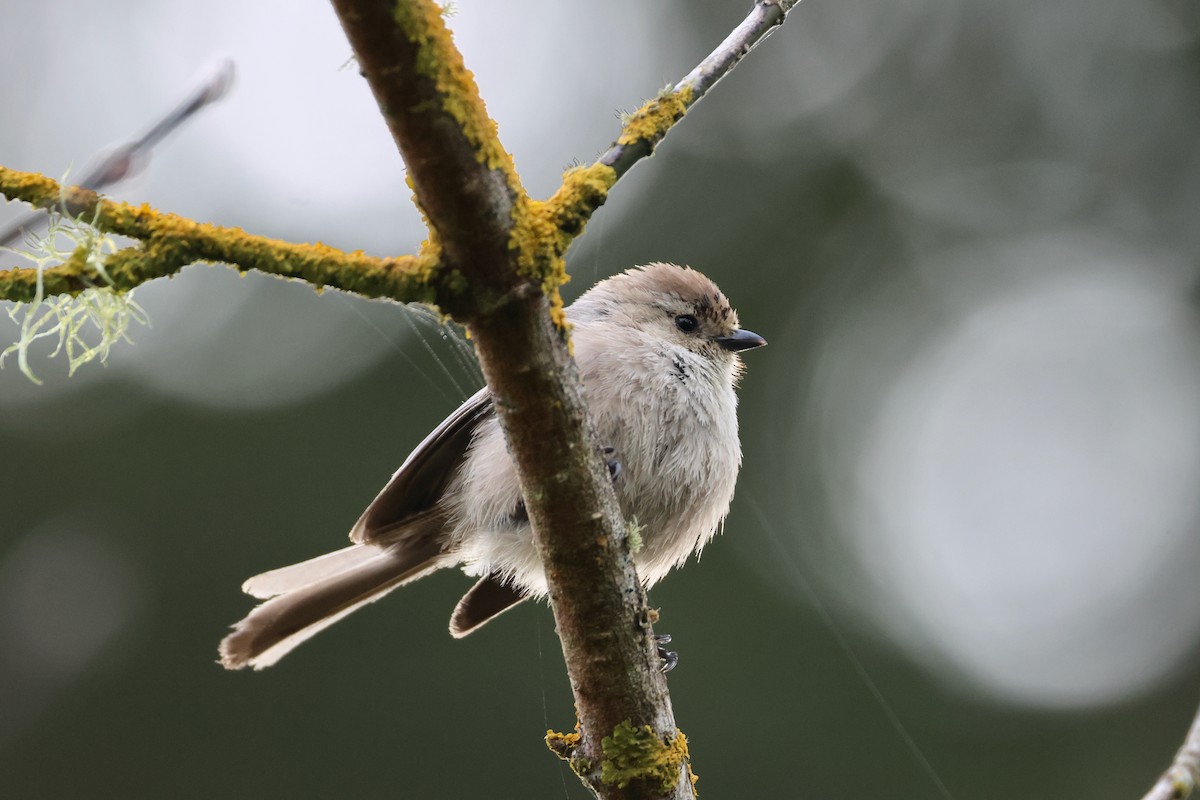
column 669, row 658
column 614, row 465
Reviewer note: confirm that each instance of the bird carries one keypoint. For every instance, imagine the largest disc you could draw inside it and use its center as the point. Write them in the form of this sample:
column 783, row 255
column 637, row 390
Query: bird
column 658, row 352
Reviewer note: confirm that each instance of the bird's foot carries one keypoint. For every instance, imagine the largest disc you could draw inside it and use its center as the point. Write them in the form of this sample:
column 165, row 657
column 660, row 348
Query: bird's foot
column 614, row 465
column 669, row 658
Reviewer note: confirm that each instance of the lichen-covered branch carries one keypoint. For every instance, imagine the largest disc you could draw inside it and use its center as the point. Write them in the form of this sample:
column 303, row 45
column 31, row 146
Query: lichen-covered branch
column 128, row 158
column 509, row 249
column 167, row 243
column 496, row 265
column 463, row 179
column 1182, row 777
column 649, row 125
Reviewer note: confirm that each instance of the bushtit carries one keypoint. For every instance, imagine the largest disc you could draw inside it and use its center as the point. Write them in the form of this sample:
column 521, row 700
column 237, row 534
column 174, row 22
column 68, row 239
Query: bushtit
column 657, row 348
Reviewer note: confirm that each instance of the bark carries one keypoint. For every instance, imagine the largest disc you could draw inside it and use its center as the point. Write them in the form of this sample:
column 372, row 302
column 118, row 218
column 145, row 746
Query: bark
column 490, row 233
column 469, row 192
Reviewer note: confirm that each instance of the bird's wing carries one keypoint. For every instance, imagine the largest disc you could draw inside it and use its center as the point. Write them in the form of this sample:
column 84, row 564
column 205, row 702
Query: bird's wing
column 418, row 484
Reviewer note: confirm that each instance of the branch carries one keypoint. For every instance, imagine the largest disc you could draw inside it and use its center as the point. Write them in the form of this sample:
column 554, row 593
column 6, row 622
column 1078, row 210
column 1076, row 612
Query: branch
column 1181, row 778
column 132, row 156
column 651, row 123
column 509, row 249
column 495, row 262
column 570, row 209
column 168, row 243
column 464, row 181
column 465, row 214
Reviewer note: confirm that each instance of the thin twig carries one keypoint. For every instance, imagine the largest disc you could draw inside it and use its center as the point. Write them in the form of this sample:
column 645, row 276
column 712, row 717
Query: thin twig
column 1181, row 778
column 131, row 157
column 757, row 26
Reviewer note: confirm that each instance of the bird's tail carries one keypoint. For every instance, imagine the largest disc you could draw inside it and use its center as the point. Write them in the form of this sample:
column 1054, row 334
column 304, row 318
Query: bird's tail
column 308, row 597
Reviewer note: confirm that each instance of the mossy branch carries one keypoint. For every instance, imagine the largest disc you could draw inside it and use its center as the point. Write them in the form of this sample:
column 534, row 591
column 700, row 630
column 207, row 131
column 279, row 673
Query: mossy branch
column 168, row 242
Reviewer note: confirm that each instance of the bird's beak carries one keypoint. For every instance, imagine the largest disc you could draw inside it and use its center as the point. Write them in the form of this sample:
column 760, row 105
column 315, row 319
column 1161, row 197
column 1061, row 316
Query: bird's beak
column 741, row 340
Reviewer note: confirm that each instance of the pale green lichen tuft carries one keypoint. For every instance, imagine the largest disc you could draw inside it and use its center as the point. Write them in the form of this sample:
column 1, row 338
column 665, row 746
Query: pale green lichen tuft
column 633, row 534
column 86, row 325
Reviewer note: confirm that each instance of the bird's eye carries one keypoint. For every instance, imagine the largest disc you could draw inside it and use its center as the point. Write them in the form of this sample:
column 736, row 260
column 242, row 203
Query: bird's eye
column 686, row 323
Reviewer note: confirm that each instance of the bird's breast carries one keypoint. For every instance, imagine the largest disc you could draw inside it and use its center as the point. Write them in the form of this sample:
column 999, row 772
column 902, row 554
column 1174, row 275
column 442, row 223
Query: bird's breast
column 674, row 430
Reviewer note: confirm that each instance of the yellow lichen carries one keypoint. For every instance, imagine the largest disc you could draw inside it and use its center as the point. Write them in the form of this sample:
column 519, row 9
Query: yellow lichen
column 543, row 230
column 169, row 242
column 439, row 60
column 651, row 122
column 632, row 753
column 566, row 747
column 564, row 744
column 583, row 190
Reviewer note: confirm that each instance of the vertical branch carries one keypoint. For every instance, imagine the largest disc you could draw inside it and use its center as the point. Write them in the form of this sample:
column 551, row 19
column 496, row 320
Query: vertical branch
column 491, row 234
column 463, row 180
column 499, row 269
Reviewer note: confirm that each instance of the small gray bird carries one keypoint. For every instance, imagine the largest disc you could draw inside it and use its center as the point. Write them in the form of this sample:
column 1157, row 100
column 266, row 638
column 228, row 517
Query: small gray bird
column 657, row 348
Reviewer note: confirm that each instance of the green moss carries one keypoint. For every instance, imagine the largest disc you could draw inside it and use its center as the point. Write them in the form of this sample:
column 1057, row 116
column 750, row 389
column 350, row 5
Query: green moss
column 638, row 754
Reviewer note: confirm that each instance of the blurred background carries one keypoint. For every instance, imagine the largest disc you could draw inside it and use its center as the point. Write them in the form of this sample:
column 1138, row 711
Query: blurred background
column 962, row 558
